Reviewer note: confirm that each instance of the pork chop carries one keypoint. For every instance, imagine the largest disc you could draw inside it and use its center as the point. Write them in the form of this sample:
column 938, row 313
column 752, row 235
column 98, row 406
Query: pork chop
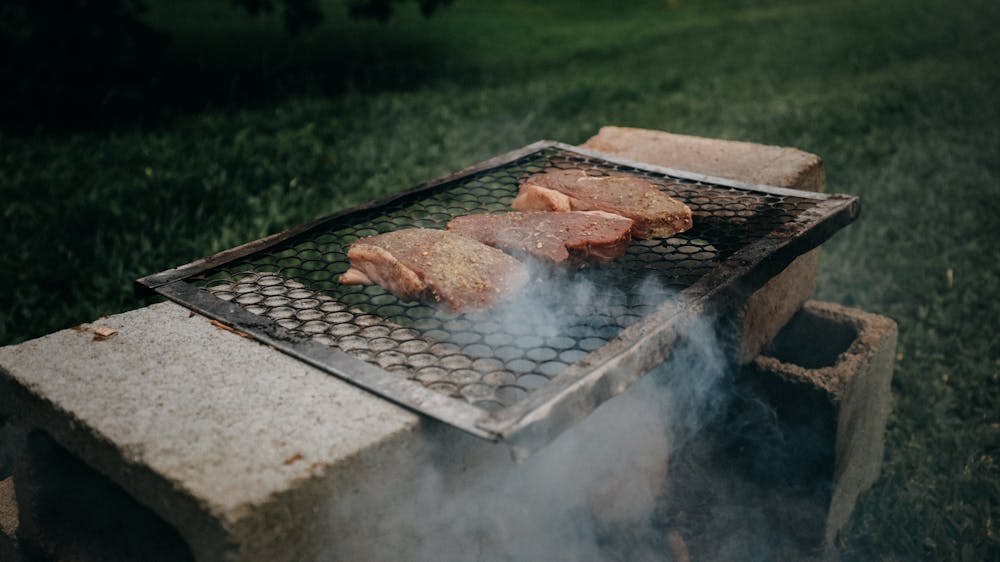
column 655, row 214
column 572, row 238
column 435, row 266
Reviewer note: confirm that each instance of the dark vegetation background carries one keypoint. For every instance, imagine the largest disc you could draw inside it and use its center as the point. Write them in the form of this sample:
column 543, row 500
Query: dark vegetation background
column 133, row 141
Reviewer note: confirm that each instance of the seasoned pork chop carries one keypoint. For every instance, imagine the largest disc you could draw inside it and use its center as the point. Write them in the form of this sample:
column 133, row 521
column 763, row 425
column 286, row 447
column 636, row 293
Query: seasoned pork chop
column 655, row 214
column 437, row 266
column 572, row 238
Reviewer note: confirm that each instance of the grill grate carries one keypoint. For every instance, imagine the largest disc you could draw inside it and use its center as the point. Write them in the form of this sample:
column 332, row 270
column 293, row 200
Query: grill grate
column 490, row 360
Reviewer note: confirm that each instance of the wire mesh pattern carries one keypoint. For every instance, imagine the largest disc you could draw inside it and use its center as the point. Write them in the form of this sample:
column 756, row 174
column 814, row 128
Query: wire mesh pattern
column 493, row 358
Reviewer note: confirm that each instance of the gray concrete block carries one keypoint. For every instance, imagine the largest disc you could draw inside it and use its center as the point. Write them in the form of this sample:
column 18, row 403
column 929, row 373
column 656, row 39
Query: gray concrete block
column 846, row 356
column 226, row 439
column 743, row 161
column 770, row 308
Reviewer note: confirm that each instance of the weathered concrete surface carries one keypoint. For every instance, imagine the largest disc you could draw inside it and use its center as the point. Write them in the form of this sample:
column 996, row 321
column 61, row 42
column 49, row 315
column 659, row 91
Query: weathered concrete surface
column 744, row 161
column 768, row 309
column 857, row 381
column 9, row 549
column 212, row 431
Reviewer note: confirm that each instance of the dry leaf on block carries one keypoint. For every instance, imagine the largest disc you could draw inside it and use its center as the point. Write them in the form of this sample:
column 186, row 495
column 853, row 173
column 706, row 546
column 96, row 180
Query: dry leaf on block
column 102, row 333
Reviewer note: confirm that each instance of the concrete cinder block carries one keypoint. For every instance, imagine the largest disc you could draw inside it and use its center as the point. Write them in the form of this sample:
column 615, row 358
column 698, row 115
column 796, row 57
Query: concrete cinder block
column 743, row 161
column 769, row 308
column 845, row 356
column 228, row 441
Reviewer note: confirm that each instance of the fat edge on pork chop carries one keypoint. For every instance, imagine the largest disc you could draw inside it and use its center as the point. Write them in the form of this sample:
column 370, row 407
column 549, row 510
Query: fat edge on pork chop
column 452, row 271
column 655, row 214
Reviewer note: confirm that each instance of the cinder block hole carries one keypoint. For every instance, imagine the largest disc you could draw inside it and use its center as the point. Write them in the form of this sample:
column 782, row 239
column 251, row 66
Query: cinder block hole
column 71, row 512
column 759, row 478
column 812, row 341
column 6, row 461
column 773, row 449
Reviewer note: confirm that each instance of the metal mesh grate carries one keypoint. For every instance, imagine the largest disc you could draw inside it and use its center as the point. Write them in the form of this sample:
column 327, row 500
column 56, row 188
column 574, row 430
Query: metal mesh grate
column 492, row 359
column 531, row 367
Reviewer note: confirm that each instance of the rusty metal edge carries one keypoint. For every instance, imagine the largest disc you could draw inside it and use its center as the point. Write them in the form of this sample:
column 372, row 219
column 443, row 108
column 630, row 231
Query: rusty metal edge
column 396, row 389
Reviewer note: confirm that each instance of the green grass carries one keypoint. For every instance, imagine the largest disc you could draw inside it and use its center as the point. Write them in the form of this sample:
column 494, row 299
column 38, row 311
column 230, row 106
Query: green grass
column 258, row 132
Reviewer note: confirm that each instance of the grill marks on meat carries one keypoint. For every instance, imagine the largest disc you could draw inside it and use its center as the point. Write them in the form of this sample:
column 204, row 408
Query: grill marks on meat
column 571, row 238
column 655, row 214
column 444, row 268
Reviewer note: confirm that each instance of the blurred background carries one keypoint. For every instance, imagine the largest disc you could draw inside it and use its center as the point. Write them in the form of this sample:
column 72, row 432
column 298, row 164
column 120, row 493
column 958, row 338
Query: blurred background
column 139, row 135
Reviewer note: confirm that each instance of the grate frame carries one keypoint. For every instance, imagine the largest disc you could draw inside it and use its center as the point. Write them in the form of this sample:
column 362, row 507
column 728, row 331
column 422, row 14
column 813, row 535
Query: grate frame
column 580, row 385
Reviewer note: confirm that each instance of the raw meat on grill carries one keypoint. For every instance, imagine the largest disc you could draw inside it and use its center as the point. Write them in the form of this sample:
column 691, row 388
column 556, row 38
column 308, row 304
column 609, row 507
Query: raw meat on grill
column 435, row 266
column 573, row 238
column 656, row 214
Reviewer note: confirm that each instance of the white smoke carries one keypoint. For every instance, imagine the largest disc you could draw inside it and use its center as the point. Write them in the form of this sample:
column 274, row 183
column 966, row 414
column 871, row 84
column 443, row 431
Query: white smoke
column 630, row 482
column 592, row 494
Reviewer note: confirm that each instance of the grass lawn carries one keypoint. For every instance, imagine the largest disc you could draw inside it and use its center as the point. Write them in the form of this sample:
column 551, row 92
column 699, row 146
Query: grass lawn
column 248, row 131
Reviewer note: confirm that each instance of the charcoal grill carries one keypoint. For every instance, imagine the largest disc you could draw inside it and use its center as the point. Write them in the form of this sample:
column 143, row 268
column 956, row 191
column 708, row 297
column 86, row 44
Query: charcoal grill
column 503, row 374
